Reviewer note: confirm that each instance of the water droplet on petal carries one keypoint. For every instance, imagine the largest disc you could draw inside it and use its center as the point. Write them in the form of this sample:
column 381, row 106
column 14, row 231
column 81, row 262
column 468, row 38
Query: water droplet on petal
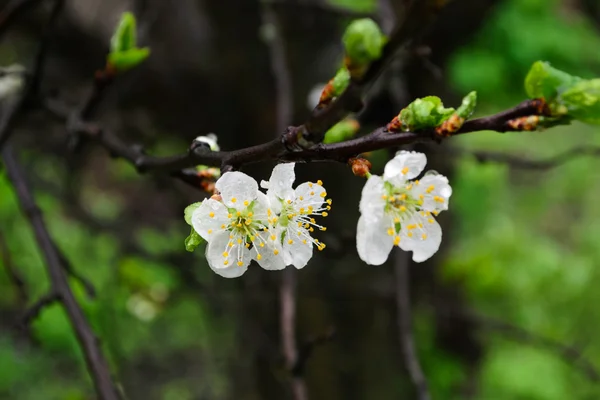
column 431, row 172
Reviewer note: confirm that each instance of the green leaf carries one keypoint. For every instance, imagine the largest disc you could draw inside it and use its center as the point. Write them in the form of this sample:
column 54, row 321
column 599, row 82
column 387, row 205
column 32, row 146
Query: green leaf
column 583, row 101
column 193, row 240
column 341, row 131
column 340, row 81
column 125, row 60
column 468, row 105
column 189, row 210
column 544, row 81
column 124, row 37
column 363, row 41
column 427, row 112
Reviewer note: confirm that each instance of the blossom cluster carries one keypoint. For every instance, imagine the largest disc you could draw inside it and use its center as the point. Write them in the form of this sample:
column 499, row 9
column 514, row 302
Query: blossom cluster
column 275, row 228
column 241, row 223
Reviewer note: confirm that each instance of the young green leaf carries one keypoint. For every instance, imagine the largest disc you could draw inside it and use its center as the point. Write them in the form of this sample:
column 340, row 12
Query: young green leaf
column 189, row 210
column 544, row 81
column 427, row 112
column 583, row 101
column 193, row 240
column 125, row 60
column 363, row 41
column 468, row 105
column 124, row 37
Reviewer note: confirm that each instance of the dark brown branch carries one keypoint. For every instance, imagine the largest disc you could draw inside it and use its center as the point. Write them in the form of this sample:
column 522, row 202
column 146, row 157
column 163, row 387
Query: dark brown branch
column 407, row 341
column 96, row 363
column 274, row 150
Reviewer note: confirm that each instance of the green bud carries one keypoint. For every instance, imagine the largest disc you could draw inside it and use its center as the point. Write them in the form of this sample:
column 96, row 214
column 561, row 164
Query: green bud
column 125, row 60
column 341, row 131
column 363, row 41
column 544, row 81
column 424, row 113
column 468, row 105
column 124, row 37
column 582, row 101
column 193, row 240
column 340, row 81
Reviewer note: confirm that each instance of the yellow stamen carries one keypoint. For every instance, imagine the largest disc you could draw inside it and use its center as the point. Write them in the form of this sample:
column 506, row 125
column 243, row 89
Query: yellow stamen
column 404, row 170
column 324, row 213
column 320, row 182
column 212, row 214
column 323, row 194
column 424, row 236
column 258, row 257
column 396, row 240
column 225, row 262
column 233, row 199
column 240, row 263
column 209, row 231
column 290, row 241
column 225, row 254
column 390, row 231
column 275, row 251
column 246, row 202
column 402, row 208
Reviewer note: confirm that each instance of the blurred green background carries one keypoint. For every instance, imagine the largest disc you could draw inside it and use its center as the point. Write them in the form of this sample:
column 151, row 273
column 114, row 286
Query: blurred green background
column 521, row 245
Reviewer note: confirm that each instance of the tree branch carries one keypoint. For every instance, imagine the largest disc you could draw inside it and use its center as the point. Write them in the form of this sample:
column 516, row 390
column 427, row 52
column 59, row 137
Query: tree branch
column 96, row 363
column 407, row 342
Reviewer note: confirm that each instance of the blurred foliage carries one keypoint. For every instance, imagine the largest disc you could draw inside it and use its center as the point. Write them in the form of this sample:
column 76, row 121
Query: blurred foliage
column 523, row 248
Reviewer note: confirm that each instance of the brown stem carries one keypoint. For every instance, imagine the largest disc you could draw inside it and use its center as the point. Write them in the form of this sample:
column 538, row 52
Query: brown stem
column 407, row 341
column 95, row 361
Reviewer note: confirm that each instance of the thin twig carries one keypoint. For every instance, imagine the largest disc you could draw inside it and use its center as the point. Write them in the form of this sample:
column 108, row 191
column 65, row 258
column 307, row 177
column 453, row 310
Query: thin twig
column 12, row 272
column 18, row 103
column 284, row 111
column 518, row 162
column 33, row 311
column 96, row 363
column 407, row 342
column 569, row 354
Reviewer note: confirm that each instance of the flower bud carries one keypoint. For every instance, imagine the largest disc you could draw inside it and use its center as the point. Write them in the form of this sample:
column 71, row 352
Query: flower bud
column 360, row 166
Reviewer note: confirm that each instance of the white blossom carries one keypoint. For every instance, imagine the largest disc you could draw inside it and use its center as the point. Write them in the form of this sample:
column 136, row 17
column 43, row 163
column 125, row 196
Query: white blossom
column 237, row 228
column 397, row 211
column 293, row 213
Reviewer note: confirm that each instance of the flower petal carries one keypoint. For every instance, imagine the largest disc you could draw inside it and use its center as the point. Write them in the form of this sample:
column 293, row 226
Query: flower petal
column 208, row 219
column 371, row 201
column 404, row 166
column 270, row 255
column 281, row 179
column 235, row 188
column 372, row 240
column 297, row 249
column 309, row 194
column 223, row 255
column 424, row 237
column 435, row 191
